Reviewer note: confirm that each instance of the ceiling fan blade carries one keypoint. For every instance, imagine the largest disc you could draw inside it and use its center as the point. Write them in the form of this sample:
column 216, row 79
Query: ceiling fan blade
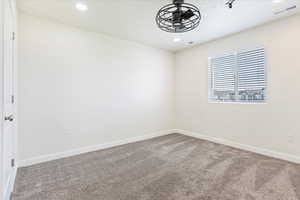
column 188, row 14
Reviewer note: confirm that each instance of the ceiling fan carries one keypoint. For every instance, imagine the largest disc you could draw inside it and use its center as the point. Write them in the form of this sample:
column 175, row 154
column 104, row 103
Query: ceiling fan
column 180, row 17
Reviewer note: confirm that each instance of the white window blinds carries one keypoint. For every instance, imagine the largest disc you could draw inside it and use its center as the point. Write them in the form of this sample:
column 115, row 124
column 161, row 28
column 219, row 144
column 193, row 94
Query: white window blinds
column 238, row 77
column 223, row 77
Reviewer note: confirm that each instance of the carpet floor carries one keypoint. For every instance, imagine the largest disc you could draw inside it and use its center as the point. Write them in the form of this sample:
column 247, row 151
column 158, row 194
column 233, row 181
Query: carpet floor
column 172, row 167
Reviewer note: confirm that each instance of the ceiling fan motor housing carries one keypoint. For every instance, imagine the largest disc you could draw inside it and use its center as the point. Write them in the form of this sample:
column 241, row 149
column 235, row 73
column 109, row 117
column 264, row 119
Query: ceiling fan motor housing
column 177, row 20
column 178, row 2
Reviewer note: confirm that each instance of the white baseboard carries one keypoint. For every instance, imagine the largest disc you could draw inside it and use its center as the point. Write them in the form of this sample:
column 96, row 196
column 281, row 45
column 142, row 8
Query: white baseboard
column 8, row 191
column 45, row 158
column 265, row 152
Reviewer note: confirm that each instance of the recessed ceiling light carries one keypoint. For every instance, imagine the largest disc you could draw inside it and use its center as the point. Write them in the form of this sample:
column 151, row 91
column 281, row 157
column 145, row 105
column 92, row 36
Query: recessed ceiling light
column 81, row 6
column 177, row 39
column 277, row 1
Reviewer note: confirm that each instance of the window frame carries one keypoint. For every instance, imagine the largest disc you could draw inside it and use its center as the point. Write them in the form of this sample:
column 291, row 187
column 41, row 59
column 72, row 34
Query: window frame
column 209, row 72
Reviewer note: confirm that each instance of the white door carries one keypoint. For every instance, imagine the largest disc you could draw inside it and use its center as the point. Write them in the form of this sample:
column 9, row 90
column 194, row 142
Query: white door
column 8, row 98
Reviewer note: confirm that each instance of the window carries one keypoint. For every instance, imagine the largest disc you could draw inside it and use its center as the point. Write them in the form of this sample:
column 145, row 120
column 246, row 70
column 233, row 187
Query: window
column 238, row 77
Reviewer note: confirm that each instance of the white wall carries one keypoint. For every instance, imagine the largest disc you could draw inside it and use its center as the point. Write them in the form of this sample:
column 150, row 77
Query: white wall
column 275, row 125
column 79, row 89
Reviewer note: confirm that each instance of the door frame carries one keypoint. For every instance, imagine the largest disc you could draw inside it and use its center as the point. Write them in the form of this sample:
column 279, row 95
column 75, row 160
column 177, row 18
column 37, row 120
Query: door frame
column 1, row 95
column 6, row 194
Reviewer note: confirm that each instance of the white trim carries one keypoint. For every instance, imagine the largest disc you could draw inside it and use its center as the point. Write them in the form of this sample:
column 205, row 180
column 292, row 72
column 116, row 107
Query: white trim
column 262, row 151
column 11, row 184
column 1, row 96
column 5, row 190
column 45, row 158
column 265, row 152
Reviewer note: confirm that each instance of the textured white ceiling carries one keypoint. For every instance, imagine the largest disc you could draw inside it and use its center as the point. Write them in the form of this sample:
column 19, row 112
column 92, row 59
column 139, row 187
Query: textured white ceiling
column 135, row 19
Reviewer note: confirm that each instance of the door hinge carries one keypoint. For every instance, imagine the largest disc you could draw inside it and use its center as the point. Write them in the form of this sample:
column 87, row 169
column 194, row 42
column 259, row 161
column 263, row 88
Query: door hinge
column 12, row 99
column 13, row 35
column 12, row 162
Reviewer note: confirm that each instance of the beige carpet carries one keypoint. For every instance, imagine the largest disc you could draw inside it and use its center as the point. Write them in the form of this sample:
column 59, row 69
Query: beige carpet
column 172, row 167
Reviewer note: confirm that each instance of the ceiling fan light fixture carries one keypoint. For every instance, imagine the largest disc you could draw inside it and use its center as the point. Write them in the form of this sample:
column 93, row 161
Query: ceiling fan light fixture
column 178, row 17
